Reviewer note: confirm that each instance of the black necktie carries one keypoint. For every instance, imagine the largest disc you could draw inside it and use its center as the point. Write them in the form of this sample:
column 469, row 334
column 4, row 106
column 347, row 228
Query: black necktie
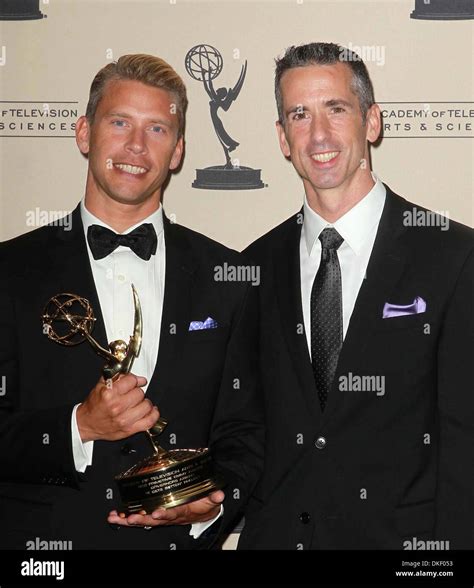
column 326, row 314
column 142, row 241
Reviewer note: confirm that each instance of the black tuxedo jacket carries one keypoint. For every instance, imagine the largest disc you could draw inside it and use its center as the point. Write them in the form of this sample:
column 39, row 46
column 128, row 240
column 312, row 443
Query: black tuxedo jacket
column 41, row 494
column 391, row 467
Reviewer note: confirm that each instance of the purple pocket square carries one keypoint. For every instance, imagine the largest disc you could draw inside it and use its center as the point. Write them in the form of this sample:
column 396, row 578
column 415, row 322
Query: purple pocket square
column 209, row 323
column 418, row 306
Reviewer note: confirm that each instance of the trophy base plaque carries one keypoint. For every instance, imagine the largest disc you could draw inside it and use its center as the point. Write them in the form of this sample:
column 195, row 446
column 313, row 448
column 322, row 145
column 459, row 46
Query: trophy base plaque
column 20, row 10
column 167, row 479
column 220, row 177
column 443, row 10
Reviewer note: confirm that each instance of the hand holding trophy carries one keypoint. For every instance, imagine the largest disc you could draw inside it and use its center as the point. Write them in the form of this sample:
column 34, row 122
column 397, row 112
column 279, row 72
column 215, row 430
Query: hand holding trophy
column 167, row 478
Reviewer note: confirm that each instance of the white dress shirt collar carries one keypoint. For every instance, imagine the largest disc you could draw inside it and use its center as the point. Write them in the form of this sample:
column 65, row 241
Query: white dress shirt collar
column 88, row 219
column 354, row 226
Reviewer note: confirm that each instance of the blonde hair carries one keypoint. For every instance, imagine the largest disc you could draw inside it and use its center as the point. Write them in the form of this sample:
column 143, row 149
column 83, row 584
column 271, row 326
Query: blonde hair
column 147, row 69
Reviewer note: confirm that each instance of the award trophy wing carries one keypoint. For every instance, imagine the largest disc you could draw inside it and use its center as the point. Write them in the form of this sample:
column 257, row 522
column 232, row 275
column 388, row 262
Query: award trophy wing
column 166, row 478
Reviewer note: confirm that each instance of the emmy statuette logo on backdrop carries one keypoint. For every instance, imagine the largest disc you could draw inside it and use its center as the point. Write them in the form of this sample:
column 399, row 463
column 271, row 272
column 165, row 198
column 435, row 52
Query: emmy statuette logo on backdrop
column 443, row 9
column 20, row 10
column 204, row 64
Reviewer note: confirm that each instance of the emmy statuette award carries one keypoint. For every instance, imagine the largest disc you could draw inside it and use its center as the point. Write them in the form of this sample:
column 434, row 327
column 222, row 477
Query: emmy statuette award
column 204, row 63
column 443, row 10
column 167, row 478
column 20, row 10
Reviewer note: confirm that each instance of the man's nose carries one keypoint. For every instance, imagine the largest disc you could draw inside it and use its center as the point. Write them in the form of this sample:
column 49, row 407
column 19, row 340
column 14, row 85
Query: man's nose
column 320, row 128
column 136, row 141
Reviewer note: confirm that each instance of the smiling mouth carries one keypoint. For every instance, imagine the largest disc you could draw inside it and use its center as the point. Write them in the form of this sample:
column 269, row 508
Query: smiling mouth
column 130, row 169
column 324, row 157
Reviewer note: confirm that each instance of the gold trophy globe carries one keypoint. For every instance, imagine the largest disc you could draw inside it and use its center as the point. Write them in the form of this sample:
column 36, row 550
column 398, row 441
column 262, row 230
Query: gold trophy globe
column 166, row 478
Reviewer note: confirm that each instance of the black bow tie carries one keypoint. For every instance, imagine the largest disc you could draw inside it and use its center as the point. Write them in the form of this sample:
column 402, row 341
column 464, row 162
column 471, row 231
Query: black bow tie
column 142, row 241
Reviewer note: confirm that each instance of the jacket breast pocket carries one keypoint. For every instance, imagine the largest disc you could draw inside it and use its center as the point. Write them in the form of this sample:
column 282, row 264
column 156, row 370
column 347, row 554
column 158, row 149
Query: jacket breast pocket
column 203, row 335
column 411, row 321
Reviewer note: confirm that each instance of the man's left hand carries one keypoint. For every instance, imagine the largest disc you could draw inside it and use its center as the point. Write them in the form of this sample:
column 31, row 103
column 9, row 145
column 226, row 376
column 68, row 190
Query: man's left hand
column 199, row 511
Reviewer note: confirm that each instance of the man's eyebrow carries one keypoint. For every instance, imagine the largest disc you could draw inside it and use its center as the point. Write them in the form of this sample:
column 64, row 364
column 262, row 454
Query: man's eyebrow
column 160, row 121
column 151, row 120
column 338, row 102
column 329, row 103
column 296, row 108
column 120, row 114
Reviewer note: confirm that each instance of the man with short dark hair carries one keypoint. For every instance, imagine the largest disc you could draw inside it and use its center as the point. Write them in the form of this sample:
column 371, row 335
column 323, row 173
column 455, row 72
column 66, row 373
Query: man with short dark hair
column 366, row 338
column 66, row 433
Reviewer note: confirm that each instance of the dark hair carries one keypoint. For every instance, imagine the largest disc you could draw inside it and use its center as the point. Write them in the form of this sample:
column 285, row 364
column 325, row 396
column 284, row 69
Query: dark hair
column 326, row 54
column 147, row 69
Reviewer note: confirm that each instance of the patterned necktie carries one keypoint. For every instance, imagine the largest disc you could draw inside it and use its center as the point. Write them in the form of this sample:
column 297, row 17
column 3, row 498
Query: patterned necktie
column 142, row 241
column 326, row 314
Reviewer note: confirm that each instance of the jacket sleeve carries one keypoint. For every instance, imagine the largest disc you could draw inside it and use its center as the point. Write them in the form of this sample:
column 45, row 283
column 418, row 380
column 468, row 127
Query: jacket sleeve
column 36, row 444
column 237, row 433
column 455, row 489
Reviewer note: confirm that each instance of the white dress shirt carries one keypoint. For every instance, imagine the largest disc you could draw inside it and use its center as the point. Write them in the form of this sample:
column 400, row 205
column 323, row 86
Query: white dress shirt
column 358, row 227
column 113, row 276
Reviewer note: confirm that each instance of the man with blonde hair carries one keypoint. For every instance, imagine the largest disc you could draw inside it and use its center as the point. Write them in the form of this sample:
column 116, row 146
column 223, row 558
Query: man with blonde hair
column 65, row 432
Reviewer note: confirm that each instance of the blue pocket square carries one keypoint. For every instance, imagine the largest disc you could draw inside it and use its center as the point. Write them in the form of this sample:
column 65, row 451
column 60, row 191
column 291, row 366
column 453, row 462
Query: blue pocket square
column 209, row 323
column 418, row 306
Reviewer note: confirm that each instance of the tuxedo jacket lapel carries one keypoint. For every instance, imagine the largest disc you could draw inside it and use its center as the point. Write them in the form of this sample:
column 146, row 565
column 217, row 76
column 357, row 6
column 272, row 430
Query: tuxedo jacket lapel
column 288, row 286
column 67, row 269
column 176, row 314
column 71, row 263
column 386, row 264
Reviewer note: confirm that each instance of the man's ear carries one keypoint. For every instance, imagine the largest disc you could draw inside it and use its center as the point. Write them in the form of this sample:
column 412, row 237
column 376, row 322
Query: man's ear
column 177, row 153
column 285, row 148
column 373, row 123
column 83, row 135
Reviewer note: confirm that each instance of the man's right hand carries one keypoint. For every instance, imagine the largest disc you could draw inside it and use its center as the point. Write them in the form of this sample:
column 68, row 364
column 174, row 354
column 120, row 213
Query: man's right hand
column 115, row 410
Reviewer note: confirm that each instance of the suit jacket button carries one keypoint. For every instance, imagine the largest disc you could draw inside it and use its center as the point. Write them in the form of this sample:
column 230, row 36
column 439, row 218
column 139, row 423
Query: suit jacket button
column 305, row 517
column 320, row 442
column 127, row 449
